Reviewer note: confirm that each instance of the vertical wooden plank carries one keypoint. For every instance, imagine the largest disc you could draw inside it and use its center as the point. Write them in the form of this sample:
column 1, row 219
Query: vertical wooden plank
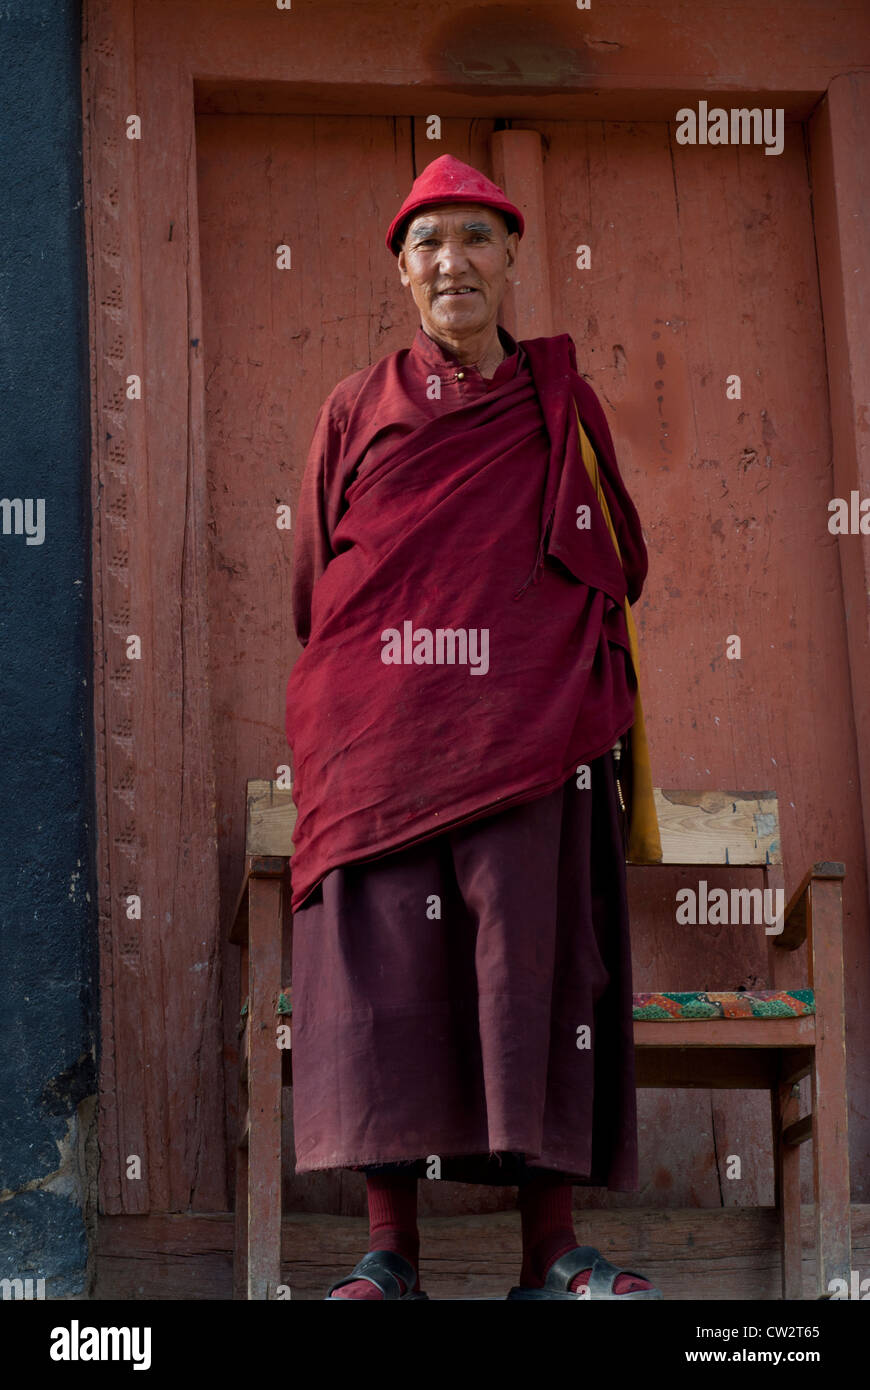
column 518, row 168
column 240, row 1215
column 161, row 1080
column 841, row 210
column 830, row 1114
column 785, row 1108
column 131, row 1110
column 186, row 966
column 264, row 1088
column 840, row 171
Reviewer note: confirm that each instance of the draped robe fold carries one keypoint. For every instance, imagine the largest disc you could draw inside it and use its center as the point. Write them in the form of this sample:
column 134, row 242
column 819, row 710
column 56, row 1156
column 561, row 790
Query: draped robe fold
column 481, row 519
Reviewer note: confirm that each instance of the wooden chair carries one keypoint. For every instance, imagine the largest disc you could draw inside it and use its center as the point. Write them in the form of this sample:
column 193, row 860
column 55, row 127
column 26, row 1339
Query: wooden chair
column 264, row 1067
column 765, row 1039
column 750, row 1039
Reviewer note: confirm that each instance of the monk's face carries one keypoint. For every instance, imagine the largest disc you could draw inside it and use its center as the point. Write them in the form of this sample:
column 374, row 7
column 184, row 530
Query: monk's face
column 458, row 261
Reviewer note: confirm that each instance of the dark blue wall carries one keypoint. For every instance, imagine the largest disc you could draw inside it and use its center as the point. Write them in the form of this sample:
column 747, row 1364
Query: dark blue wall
column 47, row 895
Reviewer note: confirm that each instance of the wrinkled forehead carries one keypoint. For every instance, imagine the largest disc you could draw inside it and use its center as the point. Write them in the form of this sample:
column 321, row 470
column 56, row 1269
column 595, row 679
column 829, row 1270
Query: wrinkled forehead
column 456, row 217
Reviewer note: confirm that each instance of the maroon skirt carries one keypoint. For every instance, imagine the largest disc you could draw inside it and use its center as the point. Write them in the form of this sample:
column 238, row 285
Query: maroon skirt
column 468, row 998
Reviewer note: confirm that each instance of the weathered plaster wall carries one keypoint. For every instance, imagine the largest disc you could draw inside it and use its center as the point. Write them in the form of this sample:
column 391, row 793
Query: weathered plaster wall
column 47, row 898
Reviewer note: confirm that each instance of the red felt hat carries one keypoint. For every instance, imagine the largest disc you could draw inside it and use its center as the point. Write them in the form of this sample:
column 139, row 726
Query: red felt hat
column 448, row 180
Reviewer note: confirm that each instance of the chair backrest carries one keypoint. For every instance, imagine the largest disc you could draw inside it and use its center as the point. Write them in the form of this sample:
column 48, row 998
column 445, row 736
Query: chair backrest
column 270, row 820
column 711, row 827
column 718, row 827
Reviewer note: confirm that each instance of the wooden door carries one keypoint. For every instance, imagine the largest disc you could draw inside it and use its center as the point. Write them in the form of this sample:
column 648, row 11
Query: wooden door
column 703, row 267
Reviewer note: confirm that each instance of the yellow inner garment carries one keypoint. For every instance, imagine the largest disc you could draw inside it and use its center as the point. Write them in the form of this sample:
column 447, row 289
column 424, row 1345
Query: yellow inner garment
column 644, row 844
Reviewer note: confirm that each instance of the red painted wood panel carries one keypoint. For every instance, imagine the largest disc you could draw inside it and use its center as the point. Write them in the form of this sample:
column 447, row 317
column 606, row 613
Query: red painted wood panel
column 276, row 342
column 712, row 249
column 703, row 266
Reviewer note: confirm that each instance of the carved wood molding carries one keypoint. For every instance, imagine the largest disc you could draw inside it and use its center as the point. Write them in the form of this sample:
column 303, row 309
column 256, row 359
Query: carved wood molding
column 106, row 80
column 160, row 1058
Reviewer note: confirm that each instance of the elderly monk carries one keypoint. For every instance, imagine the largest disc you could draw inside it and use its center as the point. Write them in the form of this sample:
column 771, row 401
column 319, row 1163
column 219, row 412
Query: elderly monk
column 461, row 960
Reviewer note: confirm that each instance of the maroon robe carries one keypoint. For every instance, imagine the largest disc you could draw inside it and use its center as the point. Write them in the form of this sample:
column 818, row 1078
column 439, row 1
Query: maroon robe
column 456, row 1035
column 422, row 517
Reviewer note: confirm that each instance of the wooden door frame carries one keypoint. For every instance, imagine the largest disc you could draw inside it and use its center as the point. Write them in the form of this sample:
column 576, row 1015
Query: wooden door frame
column 161, row 1047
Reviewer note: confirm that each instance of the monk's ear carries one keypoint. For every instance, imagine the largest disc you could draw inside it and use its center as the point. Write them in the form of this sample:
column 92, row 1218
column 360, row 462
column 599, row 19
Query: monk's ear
column 512, row 243
column 403, row 272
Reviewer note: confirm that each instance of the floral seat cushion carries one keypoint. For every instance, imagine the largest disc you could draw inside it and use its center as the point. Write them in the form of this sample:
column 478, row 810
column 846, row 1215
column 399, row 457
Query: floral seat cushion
column 678, row 1007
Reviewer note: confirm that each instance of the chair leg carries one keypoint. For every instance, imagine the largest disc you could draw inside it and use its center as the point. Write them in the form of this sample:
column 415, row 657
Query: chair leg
column 830, row 1113
column 785, row 1109
column 830, row 1177
column 240, row 1217
column 240, row 1224
column 264, row 1089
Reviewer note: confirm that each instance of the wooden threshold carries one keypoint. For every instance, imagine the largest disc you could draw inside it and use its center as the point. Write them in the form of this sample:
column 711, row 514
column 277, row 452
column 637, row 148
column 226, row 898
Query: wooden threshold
column 695, row 1254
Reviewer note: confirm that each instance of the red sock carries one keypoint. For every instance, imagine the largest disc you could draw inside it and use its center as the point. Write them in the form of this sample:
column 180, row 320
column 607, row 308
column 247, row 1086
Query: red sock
column 392, row 1226
column 548, row 1233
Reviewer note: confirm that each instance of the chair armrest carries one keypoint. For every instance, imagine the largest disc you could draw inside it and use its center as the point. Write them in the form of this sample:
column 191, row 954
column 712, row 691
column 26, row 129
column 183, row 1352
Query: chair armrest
column 794, row 932
column 256, row 866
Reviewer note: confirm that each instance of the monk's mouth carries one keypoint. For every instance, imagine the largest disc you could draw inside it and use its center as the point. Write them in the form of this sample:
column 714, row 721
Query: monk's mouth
column 458, row 294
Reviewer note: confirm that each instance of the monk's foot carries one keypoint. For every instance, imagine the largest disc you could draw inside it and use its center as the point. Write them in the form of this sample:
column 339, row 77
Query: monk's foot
column 623, row 1283
column 361, row 1288
column 364, row 1289
column 537, row 1264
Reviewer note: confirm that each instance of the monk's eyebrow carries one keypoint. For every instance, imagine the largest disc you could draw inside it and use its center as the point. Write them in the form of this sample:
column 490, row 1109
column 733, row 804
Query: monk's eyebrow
column 427, row 229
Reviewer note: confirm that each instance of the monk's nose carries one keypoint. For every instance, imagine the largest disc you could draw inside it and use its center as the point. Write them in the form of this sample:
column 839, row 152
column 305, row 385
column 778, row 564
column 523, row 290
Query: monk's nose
column 452, row 257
